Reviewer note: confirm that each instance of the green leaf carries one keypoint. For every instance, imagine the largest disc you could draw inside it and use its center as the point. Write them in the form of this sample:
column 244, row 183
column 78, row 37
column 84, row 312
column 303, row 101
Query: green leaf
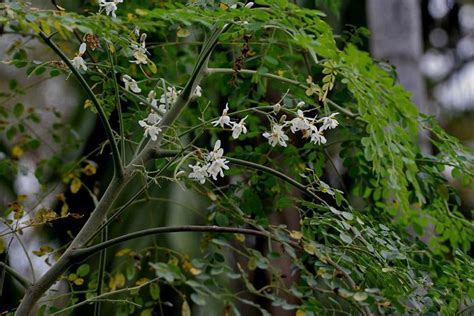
column 83, row 270
column 18, row 109
column 155, row 291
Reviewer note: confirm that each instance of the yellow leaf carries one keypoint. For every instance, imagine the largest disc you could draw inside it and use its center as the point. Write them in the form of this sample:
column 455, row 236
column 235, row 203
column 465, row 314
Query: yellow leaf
column 212, row 196
column 112, row 284
column 90, row 169
column 79, row 281
column 112, row 48
column 185, row 310
column 120, row 280
column 223, row 6
column 75, row 185
column 280, row 72
column 123, row 252
column 195, row 271
column 182, row 32
column 64, row 209
column 240, row 237
column 299, row 312
column 142, row 281
column 45, row 27
column 296, row 234
column 88, row 104
column 152, row 67
column 17, row 151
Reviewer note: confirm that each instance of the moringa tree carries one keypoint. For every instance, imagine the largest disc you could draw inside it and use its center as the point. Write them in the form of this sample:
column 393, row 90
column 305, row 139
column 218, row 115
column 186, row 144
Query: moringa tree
column 241, row 104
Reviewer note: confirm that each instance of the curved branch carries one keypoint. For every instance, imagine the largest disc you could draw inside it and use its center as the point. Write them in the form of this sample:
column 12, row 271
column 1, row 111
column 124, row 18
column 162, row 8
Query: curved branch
column 100, row 111
column 278, row 174
column 236, row 161
column 86, row 252
column 279, row 78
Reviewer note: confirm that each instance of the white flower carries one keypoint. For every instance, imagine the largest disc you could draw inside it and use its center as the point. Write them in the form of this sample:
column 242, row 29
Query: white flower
column 277, row 136
column 78, row 62
column 198, row 91
column 151, row 130
column 238, row 128
column 217, row 167
column 169, row 97
column 140, row 55
column 152, row 119
column 249, row 5
column 151, row 98
column 214, row 165
column 299, row 123
column 329, row 122
column 130, row 84
column 110, row 6
column 139, row 51
column 224, row 119
column 217, row 153
column 199, row 173
column 317, row 136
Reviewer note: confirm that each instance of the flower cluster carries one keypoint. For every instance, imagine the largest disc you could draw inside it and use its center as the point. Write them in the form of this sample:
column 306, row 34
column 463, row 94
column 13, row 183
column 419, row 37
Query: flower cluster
column 78, row 62
column 109, row 6
column 306, row 125
column 151, row 123
column 213, row 165
column 224, row 119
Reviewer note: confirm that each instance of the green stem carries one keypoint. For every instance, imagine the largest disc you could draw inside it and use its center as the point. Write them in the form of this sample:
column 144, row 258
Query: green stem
column 118, row 104
column 279, row 78
column 100, row 111
column 278, row 174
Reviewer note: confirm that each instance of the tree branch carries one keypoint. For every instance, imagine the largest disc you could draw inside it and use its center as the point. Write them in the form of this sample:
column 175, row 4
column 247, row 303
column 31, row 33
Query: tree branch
column 279, row 78
column 86, row 252
column 15, row 275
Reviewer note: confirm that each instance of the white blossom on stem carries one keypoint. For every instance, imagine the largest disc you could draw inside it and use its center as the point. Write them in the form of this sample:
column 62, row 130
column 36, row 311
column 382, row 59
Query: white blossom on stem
column 197, row 92
column 224, row 119
column 110, row 6
column 150, row 130
column 277, row 136
column 329, row 122
column 139, row 51
column 217, row 153
column 78, row 62
column 217, row 167
column 239, row 128
column 199, row 173
column 130, row 84
column 317, row 136
column 299, row 123
column 169, row 97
